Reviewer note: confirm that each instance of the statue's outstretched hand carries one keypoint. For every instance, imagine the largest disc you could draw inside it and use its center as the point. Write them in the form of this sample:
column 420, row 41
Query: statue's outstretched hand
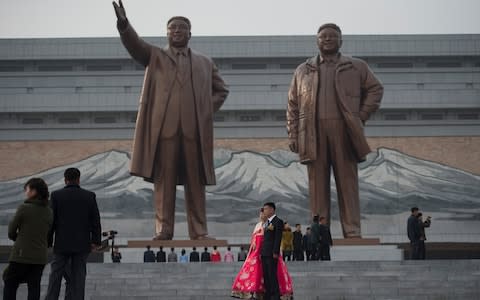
column 120, row 12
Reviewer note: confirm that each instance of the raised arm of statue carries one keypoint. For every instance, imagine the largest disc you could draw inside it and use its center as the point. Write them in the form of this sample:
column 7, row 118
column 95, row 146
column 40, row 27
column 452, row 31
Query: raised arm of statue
column 138, row 48
column 122, row 20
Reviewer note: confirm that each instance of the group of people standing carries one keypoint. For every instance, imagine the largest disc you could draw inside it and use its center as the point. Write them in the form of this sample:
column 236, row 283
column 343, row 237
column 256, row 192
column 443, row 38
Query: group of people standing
column 320, row 239
column 416, row 233
column 314, row 245
column 194, row 256
column 70, row 222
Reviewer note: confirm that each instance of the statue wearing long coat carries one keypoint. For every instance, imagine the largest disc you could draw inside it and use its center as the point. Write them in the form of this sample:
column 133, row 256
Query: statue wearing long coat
column 209, row 91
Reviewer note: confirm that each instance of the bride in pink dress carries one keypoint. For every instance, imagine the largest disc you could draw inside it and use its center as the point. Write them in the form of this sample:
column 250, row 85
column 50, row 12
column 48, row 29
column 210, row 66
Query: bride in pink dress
column 249, row 282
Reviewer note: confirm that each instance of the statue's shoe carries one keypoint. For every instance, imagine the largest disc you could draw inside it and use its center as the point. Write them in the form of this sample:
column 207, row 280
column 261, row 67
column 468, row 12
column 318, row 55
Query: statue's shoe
column 204, row 237
column 162, row 237
column 353, row 236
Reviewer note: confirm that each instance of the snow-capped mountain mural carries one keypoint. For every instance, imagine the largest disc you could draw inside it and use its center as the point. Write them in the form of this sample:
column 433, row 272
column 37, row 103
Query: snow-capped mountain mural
column 390, row 183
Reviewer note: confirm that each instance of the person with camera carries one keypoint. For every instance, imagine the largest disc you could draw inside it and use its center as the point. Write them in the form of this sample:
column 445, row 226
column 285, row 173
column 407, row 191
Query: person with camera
column 421, row 243
column 413, row 232
column 75, row 232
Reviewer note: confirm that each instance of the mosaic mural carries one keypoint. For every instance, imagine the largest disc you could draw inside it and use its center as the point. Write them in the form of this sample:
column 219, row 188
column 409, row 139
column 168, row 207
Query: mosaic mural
column 390, row 183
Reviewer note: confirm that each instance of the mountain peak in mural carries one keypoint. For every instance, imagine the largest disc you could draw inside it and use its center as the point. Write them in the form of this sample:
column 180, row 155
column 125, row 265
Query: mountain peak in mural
column 390, row 182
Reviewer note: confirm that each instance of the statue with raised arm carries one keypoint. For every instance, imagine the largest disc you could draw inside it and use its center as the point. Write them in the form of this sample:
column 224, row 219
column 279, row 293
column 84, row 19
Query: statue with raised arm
column 173, row 142
column 330, row 99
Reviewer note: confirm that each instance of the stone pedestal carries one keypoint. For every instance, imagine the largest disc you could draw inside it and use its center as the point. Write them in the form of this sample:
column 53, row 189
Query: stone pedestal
column 176, row 243
column 356, row 242
column 366, row 253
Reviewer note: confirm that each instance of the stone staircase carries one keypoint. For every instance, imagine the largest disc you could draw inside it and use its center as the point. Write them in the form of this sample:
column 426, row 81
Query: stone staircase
column 430, row 279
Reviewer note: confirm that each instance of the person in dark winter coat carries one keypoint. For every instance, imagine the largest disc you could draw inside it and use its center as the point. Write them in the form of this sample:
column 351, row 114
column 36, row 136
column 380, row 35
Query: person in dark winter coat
column 298, row 243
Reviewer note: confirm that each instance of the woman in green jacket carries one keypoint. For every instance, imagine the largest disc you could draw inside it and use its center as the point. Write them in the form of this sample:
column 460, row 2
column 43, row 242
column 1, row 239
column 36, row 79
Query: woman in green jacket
column 29, row 230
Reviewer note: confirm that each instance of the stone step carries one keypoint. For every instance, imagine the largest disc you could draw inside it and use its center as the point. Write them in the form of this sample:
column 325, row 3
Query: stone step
column 459, row 279
column 366, row 253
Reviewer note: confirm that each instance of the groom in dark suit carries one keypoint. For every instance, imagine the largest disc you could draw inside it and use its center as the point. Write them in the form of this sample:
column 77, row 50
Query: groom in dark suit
column 272, row 237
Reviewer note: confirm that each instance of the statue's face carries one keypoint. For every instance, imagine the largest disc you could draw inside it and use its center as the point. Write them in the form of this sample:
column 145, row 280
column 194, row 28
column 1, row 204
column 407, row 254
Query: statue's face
column 329, row 41
column 178, row 33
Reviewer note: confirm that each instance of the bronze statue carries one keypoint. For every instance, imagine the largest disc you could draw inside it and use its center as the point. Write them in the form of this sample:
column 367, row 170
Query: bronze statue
column 173, row 141
column 331, row 97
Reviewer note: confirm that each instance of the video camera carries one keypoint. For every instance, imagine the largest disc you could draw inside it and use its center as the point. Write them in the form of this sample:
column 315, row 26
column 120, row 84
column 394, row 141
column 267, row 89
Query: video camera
column 110, row 235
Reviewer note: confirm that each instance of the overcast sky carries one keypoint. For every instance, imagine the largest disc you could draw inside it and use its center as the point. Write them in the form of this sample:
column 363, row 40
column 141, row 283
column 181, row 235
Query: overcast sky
column 93, row 18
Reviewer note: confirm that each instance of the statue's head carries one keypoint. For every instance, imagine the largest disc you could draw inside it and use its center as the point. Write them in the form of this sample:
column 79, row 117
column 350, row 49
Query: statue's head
column 329, row 38
column 178, row 31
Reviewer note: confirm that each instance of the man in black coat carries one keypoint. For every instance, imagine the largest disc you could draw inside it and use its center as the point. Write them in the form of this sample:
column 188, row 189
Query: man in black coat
column 413, row 231
column 307, row 245
column 423, row 237
column 148, row 255
column 194, row 255
column 161, row 255
column 75, row 232
column 325, row 240
column 315, row 238
column 205, row 255
column 298, row 243
column 270, row 252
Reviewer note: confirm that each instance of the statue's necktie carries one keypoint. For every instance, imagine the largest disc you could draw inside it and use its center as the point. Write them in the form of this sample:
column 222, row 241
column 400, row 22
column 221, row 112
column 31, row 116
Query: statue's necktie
column 182, row 67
